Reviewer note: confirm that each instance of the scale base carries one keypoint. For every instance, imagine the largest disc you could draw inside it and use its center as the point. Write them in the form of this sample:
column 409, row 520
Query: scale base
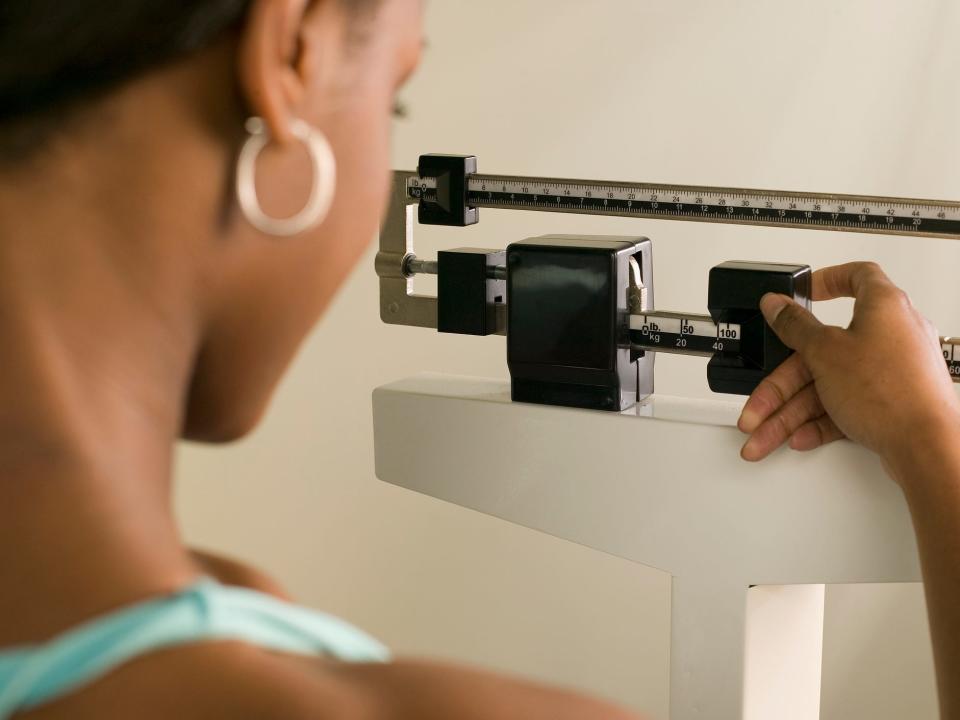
column 749, row 547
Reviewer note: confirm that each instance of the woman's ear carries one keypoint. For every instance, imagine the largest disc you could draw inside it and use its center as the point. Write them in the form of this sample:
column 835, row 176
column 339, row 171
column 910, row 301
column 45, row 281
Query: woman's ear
column 287, row 53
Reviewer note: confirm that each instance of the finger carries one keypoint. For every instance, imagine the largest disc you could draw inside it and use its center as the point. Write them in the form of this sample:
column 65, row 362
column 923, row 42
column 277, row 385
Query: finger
column 815, row 433
column 847, row 280
column 773, row 392
column 779, row 427
column 794, row 325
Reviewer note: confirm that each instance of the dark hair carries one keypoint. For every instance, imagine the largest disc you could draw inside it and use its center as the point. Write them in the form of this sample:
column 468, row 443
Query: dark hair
column 56, row 53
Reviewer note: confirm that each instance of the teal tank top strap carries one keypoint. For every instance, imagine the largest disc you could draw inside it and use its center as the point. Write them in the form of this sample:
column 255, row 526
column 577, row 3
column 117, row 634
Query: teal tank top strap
column 206, row 611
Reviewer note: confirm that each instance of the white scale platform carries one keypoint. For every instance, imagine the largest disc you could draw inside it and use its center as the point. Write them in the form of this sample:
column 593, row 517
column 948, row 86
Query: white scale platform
column 749, row 547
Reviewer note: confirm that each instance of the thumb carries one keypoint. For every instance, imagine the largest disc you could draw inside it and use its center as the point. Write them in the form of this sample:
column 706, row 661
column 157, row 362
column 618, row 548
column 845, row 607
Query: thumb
column 794, row 324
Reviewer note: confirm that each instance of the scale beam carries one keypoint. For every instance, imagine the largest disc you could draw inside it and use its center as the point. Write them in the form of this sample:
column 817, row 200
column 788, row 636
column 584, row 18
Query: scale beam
column 691, row 203
column 567, row 348
column 686, row 333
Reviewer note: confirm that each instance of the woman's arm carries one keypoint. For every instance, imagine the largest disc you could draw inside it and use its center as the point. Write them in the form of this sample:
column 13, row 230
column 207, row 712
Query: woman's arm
column 883, row 383
column 929, row 472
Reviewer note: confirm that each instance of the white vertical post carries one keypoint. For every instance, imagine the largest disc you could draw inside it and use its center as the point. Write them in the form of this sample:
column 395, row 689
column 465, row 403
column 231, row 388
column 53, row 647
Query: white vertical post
column 707, row 636
column 784, row 652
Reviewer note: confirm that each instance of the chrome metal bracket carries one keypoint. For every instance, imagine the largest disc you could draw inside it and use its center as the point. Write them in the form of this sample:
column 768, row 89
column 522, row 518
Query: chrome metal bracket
column 397, row 265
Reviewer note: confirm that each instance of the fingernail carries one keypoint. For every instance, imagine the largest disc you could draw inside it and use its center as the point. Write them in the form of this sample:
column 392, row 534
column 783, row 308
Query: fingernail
column 771, row 305
column 749, row 420
column 747, row 451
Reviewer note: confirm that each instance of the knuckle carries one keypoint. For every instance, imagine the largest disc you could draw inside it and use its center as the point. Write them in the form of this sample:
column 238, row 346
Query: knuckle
column 773, row 391
column 870, row 271
column 898, row 299
column 789, row 419
column 830, row 277
column 862, row 270
column 802, row 409
column 782, row 426
column 869, row 274
column 810, row 405
column 788, row 318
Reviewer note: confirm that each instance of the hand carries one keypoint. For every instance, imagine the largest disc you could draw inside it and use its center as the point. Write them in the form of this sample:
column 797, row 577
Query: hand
column 882, row 382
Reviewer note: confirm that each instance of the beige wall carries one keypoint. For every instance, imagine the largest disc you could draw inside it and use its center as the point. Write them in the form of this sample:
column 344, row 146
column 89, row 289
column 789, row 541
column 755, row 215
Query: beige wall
column 854, row 96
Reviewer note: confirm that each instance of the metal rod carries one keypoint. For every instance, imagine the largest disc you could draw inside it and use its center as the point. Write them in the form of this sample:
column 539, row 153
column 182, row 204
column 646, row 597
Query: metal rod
column 416, row 266
column 692, row 203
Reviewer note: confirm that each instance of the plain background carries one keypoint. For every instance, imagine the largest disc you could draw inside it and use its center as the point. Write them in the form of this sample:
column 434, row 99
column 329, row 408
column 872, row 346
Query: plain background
column 854, row 96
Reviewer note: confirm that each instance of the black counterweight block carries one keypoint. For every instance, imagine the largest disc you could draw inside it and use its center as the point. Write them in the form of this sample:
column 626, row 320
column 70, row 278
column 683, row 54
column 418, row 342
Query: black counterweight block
column 568, row 329
column 734, row 297
column 467, row 294
column 452, row 173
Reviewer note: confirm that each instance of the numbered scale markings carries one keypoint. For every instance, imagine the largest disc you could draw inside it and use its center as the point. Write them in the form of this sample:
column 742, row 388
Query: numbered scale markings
column 951, row 353
column 889, row 216
column 685, row 334
column 699, row 335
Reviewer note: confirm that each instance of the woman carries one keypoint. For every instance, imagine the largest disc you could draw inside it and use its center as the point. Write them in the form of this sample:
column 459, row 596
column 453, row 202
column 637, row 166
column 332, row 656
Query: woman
column 183, row 186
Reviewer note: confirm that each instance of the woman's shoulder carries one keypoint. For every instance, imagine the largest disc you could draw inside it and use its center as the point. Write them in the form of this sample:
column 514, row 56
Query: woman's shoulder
column 235, row 681
column 211, row 677
column 210, row 681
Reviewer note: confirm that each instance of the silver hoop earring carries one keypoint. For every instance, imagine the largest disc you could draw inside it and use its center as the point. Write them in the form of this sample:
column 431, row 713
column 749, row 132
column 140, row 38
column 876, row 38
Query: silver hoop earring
column 321, row 192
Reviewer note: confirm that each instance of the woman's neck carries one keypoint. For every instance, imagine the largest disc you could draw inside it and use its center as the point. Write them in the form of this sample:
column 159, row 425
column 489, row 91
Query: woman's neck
column 90, row 396
column 99, row 324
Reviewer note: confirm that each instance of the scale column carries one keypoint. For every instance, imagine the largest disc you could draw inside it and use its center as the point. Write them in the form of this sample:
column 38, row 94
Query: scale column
column 740, row 653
